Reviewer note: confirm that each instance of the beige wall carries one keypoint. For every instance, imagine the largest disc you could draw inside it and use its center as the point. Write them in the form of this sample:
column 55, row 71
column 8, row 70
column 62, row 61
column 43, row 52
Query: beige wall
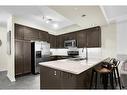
column 3, row 49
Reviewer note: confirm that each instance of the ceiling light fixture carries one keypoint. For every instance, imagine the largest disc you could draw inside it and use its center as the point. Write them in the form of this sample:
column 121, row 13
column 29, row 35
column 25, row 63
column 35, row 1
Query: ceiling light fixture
column 47, row 21
column 55, row 25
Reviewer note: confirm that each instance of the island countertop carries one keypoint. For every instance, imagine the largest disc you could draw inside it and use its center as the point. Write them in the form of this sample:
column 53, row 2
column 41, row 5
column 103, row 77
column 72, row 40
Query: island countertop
column 71, row 65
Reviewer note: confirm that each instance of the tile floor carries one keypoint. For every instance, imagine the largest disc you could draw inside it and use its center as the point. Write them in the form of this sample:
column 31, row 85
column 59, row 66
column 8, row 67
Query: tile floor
column 32, row 82
column 25, row 82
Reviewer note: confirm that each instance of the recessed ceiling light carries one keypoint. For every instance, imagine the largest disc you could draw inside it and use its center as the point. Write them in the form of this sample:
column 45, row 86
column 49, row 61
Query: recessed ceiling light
column 55, row 25
column 47, row 21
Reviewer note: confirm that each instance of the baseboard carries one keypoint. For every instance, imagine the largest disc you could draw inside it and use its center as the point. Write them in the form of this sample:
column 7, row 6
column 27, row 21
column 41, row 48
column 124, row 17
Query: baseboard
column 12, row 79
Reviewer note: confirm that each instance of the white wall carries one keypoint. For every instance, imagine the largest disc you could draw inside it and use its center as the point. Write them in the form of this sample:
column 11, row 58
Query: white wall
column 3, row 49
column 109, row 38
column 122, row 38
column 10, row 58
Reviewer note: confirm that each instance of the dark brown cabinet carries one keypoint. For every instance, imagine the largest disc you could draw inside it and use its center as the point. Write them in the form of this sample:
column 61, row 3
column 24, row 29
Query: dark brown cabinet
column 30, row 34
column 60, row 41
column 19, row 32
column 94, row 37
column 70, row 36
column 22, row 57
column 56, row 79
column 64, row 37
column 81, row 39
column 27, row 57
column 52, row 41
column 18, row 57
column 85, row 38
column 52, row 78
column 43, row 36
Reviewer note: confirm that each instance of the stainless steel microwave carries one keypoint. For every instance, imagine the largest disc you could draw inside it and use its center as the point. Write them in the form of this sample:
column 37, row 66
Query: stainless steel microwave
column 70, row 43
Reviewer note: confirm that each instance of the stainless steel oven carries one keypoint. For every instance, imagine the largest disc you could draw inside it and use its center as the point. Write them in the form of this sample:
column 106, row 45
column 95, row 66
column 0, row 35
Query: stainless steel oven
column 70, row 43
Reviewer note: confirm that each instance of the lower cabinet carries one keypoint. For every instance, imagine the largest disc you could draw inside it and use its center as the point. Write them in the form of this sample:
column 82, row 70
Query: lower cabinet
column 22, row 57
column 56, row 79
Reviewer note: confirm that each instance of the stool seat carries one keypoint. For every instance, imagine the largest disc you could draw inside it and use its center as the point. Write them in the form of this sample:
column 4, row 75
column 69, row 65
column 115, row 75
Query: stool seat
column 103, row 70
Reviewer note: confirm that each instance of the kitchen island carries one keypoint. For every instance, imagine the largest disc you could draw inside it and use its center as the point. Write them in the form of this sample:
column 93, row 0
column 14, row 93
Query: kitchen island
column 67, row 73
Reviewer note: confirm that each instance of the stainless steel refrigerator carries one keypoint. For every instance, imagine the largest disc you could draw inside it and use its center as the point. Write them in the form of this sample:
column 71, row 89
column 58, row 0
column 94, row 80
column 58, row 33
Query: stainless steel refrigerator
column 40, row 52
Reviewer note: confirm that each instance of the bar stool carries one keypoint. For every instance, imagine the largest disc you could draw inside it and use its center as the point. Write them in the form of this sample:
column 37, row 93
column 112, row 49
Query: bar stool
column 115, row 63
column 115, row 71
column 105, row 70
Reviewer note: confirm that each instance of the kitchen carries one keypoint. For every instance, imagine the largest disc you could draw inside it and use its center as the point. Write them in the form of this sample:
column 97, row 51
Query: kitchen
column 65, row 47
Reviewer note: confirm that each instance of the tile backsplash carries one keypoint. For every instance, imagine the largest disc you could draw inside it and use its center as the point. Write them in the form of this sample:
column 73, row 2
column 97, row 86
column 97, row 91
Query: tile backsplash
column 92, row 52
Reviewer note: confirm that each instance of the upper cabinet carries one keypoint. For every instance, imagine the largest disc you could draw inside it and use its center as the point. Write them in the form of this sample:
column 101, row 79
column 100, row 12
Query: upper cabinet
column 85, row 38
column 64, row 37
column 69, row 36
column 19, row 32
column 52, row 41
column 94, row 37
column 30, row 34
column 81, row 39
column 60, row 41
column 43, row 36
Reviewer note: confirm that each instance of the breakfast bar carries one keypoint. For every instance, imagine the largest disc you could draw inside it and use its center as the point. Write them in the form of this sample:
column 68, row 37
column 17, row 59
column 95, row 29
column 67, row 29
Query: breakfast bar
column 67, row 73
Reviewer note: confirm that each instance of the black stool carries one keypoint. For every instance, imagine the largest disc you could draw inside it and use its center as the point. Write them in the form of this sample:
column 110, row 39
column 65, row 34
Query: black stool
column 107, row 69
column 115, row 71
column 104, row 72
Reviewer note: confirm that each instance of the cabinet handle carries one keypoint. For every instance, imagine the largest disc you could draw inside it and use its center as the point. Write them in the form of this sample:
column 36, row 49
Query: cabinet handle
column 55, row 73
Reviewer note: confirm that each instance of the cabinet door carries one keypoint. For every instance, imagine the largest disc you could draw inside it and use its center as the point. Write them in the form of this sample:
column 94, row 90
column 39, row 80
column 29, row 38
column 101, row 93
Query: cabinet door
column 81, row 39
column 50, row 78
column 30, row 34
column 60, row 41
column 70, row 36
column 52, row 41
column 19, row 32
column 43, row 36
column 94, row 37
column 19, row 57
column 27, row 57
column 68, row 80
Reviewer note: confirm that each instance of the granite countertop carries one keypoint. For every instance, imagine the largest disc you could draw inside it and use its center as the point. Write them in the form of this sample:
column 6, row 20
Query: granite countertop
column 72, row 66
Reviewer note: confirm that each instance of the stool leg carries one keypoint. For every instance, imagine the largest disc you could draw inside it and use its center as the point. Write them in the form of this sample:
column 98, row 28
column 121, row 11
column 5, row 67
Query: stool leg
column 114, row 73
column 118, row 77
column 96, row 80
column 111, row 80
column 91, row 81
column 105, row 81
column 106, row 77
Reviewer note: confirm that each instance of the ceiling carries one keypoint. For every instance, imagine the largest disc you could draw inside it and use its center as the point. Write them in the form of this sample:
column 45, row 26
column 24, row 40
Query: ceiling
column 67, row 18
column 37, row 14
column 93, row 15
column 116, row 13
